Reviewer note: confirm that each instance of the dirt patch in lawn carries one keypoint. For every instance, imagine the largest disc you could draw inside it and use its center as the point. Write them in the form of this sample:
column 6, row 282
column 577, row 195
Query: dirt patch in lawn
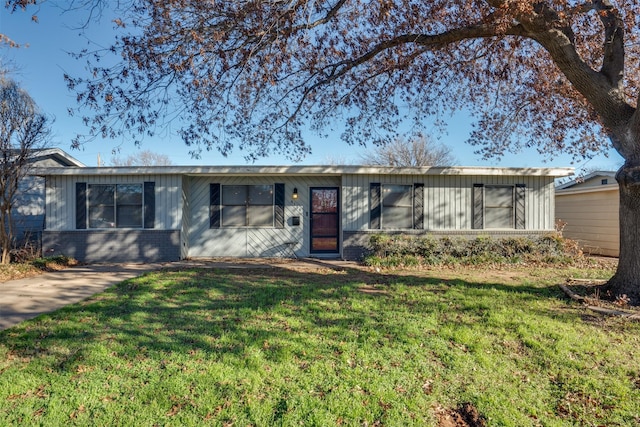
column 465, row 415
column 21, row 270
column 17, row 271
column 372, row 290
column 593, row 296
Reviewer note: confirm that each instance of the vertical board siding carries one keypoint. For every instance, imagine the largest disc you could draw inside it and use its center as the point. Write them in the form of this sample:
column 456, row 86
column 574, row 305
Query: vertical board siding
column 186, row 217
column 28, row 210
column 183, row 204
column 448, row 199
column 253, row 241
column 61, row 195
column 58, row 209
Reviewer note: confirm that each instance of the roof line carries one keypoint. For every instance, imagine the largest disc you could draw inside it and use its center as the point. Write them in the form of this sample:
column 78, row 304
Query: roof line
column 305, row 170
column 581, row 190
column 55, row 151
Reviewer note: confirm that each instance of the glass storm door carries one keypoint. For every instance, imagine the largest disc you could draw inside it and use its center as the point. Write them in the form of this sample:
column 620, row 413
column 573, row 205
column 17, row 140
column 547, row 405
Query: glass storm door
column 324, row 220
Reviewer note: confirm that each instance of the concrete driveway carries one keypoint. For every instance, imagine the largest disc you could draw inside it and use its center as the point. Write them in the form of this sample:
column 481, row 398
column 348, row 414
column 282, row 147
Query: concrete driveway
column 24, row 299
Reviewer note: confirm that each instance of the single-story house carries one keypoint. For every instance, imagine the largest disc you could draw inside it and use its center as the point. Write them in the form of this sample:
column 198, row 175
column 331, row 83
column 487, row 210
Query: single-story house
column 28, row 210
column 588, row 208
column 159, row 213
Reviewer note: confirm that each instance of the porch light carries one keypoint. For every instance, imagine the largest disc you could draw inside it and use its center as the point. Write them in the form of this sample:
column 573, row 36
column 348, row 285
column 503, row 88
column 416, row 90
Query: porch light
column 294, row 196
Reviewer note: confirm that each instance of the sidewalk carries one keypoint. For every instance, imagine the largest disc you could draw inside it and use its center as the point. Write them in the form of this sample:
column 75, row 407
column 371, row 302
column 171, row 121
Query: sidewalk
column 24, row 299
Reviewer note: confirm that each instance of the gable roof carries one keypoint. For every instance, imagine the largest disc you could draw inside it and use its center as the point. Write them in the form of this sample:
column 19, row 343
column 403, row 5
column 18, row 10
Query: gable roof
column 59, row 155
column 582, row 180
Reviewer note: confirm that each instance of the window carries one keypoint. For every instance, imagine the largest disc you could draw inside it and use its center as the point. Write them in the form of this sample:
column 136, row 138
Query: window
column 397, row 207
column 498, row 207
column 128, row 205
column 604, row 181
column 247, row 206
column 101, row 206
column 115, row 205
column 394, row 206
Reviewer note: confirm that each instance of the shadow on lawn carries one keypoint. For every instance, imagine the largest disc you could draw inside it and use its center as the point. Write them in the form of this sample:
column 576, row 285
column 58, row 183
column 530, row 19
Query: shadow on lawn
column 225, row 311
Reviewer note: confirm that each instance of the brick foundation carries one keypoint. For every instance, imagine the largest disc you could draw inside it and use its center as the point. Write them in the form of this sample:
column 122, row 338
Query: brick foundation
column 137, row 246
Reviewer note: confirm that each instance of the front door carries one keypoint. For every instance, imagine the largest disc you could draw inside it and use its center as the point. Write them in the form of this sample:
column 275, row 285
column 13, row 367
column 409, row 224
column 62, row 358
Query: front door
column 325, row 221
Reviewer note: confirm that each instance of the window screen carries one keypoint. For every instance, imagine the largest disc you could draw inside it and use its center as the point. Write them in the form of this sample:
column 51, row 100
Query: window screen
column 397, row 206
column 498, row 207
column 247, row 205
column 115, row 205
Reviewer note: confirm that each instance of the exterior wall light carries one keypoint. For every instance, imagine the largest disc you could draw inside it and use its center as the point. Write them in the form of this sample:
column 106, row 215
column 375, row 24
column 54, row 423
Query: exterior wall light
column 294, row 196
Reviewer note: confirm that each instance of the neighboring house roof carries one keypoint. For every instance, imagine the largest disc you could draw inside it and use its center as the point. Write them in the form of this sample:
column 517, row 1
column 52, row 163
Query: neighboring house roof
column 594, row 179
column 61, row 157
column 306, row 170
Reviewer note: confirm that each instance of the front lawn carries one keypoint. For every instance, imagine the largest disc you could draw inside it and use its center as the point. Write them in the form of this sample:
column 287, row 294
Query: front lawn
column 318, row 347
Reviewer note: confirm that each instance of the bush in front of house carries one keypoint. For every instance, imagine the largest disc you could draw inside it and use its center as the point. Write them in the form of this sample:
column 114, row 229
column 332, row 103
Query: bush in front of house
column 393, row 250
column 52, row 263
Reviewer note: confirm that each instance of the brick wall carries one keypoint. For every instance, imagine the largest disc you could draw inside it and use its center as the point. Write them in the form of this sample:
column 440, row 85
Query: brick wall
column 113, row 245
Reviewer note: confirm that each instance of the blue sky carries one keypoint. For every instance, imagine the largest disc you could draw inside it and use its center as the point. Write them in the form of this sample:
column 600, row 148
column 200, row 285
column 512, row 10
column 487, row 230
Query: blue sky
column 39, row 68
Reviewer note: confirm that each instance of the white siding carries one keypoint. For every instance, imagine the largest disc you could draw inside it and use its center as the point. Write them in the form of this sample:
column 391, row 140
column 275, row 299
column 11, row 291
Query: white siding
column 61, row 197
column 448, row 199
column 592, row 218
column 186, row 217
column 27, row 213
column 182, row 203
column 252, row 241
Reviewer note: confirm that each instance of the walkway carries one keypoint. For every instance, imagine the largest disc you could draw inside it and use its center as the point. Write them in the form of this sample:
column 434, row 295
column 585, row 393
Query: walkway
column 27, row 298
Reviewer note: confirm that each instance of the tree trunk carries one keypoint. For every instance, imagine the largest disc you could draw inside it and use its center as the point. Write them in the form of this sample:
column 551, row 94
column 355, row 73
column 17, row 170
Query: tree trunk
column 626, row 281
column 4, row 238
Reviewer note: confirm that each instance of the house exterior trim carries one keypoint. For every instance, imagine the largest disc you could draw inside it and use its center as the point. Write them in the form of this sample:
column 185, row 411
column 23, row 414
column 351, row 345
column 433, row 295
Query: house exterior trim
column 304, row 170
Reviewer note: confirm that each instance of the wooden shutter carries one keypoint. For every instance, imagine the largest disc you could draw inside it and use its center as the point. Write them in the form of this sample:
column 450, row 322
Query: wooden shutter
column 149, row 209
column 478, row 206
column 81, row 205
column 520, row 211
column 214, row 205
column 375, row 205
column 279, row 205
column 418, row 206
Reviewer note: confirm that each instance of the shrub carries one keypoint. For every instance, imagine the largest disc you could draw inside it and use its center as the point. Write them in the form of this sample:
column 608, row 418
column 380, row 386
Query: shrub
column 481, row 245
column 408, row 250
column 54, row 262
column 512, row 246
column 427, row 246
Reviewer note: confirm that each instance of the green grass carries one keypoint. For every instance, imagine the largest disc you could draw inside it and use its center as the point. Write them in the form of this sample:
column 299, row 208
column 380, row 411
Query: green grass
column 267, row 347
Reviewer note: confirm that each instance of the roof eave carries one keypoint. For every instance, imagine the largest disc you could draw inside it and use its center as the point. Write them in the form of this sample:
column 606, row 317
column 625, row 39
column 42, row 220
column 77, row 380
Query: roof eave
column 304, row 170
